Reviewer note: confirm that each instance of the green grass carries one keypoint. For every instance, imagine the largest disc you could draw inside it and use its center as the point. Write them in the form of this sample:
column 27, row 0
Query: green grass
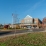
column 30, row 39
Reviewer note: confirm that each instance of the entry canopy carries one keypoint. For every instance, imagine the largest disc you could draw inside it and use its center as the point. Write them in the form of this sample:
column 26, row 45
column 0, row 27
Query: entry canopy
column 28, row 16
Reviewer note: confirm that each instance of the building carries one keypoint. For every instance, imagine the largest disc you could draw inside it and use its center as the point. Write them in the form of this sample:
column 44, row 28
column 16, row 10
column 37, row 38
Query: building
column 29, row 22
column 44, row 22
column 16, row 26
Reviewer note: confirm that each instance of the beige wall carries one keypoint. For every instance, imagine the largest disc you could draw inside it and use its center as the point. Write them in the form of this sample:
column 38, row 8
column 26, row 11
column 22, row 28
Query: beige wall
column 35, row 20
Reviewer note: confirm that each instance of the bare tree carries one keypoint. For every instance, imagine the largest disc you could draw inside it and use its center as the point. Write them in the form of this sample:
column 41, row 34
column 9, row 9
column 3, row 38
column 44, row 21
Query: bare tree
column 15, row 18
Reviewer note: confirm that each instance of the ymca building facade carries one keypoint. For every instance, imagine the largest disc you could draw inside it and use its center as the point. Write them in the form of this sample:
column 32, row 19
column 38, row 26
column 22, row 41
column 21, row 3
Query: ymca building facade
column 30, row 22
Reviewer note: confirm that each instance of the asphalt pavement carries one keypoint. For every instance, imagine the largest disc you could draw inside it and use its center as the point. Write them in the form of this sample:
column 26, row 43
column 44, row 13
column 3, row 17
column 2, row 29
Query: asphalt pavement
column 5, row 33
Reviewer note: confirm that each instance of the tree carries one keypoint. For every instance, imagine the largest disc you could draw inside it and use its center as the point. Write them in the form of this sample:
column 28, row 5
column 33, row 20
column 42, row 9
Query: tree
column 1, row 26
column 15, row 18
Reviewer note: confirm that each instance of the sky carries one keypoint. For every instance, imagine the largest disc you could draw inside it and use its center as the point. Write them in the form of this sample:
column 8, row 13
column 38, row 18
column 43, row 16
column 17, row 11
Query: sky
column 34, row 8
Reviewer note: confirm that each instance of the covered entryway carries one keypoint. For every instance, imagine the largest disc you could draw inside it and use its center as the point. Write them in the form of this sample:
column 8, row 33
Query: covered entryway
column 29, row 26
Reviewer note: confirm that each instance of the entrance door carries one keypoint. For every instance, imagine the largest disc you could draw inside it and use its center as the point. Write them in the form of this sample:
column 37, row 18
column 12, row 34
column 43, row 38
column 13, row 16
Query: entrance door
column 29, row 27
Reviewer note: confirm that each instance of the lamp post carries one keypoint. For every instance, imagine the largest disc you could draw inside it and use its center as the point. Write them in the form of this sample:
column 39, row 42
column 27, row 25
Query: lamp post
column 12, row 20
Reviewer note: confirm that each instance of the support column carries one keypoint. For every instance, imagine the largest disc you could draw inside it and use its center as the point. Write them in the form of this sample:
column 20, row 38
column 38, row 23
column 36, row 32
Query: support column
column 37, row 27
column 32, row 27
column 20, row 26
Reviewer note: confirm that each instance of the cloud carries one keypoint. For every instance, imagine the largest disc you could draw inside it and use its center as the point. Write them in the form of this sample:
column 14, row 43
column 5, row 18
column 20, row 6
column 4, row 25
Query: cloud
column 36, row 5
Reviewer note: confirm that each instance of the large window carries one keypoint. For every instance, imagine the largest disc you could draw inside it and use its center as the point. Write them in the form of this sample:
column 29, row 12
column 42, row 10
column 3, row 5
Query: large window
column 27, row 21
column 31, row 21
column 35, row 22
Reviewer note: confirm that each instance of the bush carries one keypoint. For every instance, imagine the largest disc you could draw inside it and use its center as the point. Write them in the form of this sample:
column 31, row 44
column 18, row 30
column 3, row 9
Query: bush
column 17, row 27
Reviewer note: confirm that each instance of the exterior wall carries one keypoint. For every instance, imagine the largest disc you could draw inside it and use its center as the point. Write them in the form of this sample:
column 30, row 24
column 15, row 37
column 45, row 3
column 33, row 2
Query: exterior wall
column 29, row 20
column 40, row 23
column 15, row 26
column 11, row 26
column 44, row 23
column 35, row 23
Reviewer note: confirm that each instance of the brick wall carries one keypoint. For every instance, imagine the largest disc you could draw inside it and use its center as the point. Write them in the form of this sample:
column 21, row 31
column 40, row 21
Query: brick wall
column 44, row 22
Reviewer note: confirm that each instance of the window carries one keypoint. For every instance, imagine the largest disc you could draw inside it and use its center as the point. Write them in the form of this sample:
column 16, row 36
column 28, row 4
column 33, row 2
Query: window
column 35, row 22
column 27, row 21
column 30, row 21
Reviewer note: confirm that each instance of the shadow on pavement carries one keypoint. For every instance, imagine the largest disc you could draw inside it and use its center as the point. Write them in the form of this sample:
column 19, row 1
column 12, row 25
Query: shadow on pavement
column 5, row 32
column 37, row 30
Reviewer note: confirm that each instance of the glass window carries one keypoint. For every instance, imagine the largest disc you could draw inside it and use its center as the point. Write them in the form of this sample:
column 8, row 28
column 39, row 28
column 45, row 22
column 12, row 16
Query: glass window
column 35, row 22
column 30, row 21
column 27, row 21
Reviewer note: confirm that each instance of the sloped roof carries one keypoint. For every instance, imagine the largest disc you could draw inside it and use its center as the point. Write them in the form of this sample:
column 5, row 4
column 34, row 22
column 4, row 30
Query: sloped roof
column 28, row 16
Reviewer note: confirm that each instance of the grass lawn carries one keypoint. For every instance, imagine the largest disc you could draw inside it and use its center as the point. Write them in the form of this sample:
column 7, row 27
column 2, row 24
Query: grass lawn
column 30, row 39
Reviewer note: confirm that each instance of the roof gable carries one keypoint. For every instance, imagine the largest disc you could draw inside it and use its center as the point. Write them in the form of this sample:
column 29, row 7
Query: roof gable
column 28, row 16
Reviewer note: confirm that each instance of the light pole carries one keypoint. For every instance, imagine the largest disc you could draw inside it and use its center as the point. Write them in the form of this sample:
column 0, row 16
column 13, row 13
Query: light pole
column 12, row 20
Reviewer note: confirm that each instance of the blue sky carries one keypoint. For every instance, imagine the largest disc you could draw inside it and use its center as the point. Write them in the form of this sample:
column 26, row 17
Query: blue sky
column 34, row 8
